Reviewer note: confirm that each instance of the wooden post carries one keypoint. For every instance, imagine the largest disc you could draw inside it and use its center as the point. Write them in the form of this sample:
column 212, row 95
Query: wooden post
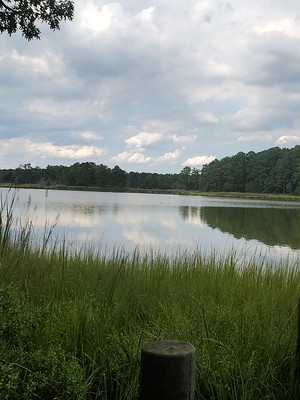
column 167, row 371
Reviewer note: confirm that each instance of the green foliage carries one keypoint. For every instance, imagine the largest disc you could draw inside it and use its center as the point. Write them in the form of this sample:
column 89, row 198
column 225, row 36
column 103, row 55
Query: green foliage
column 41, row 375
column 271, row 171
column 27, row 370
column 189, row 178
column 24, row 15
column 72, row 326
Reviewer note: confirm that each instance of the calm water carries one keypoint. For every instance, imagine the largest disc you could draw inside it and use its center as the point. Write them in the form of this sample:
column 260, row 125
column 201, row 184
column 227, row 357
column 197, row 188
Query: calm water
column 168, row 223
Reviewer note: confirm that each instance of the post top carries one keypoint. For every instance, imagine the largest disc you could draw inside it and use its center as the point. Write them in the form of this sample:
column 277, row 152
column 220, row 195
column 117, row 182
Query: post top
column 169, row 348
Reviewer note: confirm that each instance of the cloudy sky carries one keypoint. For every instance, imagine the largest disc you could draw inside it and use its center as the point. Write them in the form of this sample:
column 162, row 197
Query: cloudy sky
column 153, row 85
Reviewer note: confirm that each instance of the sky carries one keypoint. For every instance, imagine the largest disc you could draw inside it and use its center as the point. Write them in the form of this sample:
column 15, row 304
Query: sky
column 152, row 86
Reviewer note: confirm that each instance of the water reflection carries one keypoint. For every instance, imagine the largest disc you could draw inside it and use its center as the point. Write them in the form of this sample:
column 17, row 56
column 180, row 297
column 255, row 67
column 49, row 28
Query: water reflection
column 162, row 222
column 271, row 226
column 191, row 214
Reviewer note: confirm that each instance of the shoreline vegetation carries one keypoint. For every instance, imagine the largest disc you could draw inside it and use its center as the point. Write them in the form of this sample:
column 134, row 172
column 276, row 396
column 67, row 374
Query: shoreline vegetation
column 233, row 195
column 72, row 324
column 275, row 171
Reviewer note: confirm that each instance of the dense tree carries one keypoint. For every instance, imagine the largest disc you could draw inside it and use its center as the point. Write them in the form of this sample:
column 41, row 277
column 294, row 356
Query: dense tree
column 212, row 177
column 7, row 176
column 103, row 176
column 26, row 15
column 84, row 174
column 188, row 179
column 194, row 179
column 133, row 179
column 168, row 181
column 118, row 177
column 184, row 178
column 27, row 174
column 260, row 170
column 54, row 173
column 270, row 171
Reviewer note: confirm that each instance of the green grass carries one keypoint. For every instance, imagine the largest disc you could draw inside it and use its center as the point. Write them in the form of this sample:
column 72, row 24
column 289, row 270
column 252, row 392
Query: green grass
column 234, row 195
column 72, row 325
column 252, row 196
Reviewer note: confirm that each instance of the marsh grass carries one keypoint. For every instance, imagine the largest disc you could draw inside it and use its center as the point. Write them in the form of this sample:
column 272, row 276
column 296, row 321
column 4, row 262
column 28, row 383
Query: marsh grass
column 72, row 324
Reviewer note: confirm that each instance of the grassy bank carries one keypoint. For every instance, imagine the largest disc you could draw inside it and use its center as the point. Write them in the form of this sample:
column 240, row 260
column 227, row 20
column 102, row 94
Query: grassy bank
column 236, row 195
column 71, row 326
column 252, row 196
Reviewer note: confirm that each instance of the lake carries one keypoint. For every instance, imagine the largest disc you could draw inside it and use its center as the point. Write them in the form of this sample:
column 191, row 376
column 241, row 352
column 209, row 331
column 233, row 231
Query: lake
column 164, row 223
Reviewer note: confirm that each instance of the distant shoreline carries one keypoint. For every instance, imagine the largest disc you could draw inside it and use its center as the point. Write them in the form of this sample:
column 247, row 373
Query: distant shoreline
column 233, row 195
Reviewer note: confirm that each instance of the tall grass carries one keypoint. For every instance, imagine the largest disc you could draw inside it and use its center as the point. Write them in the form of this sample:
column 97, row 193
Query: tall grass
column 72, row 325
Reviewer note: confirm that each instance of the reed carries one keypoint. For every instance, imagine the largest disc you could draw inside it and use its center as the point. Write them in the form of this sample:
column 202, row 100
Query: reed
column 72, row 324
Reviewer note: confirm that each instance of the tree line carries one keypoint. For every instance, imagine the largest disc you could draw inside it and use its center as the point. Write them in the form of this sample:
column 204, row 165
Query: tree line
column 274, row 170
column 89, row 174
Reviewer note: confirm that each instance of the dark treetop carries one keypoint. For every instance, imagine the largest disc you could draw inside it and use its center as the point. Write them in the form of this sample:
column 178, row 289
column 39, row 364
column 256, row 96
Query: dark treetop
column 26, row 15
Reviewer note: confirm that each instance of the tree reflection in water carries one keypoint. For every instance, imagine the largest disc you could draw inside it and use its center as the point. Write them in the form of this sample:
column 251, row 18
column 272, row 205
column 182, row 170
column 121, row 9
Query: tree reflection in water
column 271, row 226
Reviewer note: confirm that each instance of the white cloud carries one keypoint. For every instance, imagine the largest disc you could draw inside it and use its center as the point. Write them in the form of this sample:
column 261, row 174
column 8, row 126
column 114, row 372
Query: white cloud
column 47, row 63
column 143, row 139
column 199, row 160
column 288, row 139
column 128, row 158
column 258, row 105
column 207, row 118
column 98, row 20
column 287, row 26
column 29, row 149
column 257, row 137
column 89, row 135
column 219, row 69
column 184, row 139
column 147, row 14
column 170, row 156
